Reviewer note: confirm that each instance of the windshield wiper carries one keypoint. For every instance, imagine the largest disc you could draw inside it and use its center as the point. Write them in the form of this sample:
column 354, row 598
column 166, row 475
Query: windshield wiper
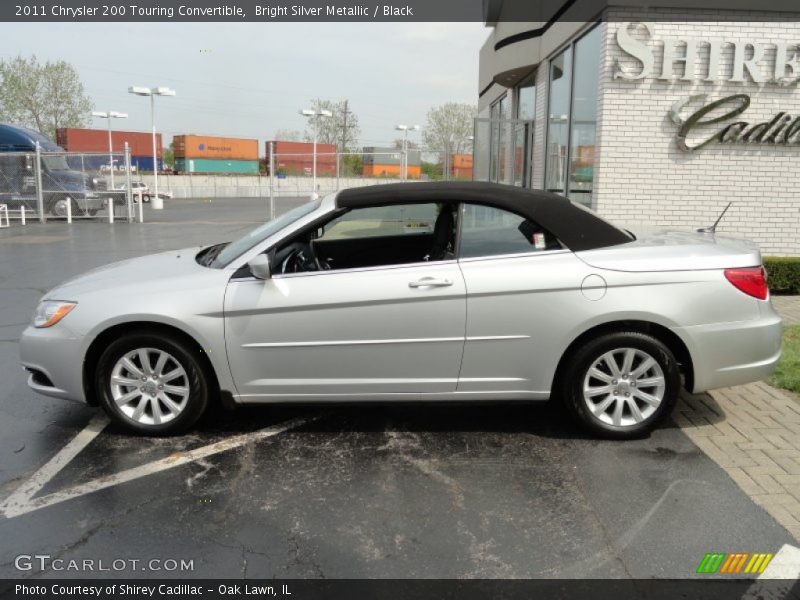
column 212, row 253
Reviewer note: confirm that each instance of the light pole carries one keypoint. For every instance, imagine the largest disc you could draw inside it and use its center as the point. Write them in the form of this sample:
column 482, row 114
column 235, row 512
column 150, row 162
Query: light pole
column 404, row 166
column 157, row 202
column 110, row 115
column 314, row 115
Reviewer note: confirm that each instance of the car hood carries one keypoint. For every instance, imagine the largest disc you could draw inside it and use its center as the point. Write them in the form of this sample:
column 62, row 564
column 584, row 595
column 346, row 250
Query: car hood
column 669, row 250
column 143, row 273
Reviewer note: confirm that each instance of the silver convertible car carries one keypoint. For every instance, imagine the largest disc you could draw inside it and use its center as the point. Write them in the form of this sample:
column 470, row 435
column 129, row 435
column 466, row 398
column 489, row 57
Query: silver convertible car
column 420, row 292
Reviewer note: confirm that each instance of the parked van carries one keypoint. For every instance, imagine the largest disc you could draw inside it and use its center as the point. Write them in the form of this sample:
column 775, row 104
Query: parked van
column 61, row 185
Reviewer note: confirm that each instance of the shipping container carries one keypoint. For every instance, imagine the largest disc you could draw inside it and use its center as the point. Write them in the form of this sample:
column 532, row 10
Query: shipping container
column 96, row 140
column 99, row 162
column 461, row 173
column 297, row 158
column 206, row 146
column 376, row 155
column 213, row 165
column 378, row 170
column 461, row 161
column 145, row 163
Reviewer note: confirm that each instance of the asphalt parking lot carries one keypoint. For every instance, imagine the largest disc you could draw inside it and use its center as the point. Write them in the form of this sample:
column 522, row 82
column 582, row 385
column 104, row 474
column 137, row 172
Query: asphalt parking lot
column 459, row 491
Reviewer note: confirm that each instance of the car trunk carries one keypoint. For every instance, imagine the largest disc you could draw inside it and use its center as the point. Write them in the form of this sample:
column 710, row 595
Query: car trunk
column 675, row 251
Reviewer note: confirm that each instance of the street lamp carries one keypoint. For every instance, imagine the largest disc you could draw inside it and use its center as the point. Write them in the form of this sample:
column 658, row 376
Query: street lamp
column 157, row 203
column 110, row 115
column 405, row 129
column 314, row 115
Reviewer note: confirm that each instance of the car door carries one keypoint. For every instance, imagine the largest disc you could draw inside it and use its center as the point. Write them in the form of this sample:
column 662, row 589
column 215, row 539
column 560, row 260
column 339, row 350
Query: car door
column 357, row 332
column 523, row 295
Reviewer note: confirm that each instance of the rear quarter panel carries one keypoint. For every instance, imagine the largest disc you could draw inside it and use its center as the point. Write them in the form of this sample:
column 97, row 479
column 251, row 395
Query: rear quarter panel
column 543, row 305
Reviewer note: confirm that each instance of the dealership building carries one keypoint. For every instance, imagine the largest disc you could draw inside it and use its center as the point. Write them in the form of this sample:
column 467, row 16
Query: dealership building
column 652, row 117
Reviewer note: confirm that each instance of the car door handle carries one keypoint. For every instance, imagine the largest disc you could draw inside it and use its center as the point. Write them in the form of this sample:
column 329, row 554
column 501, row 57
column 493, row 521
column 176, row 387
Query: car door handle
column 430, row 282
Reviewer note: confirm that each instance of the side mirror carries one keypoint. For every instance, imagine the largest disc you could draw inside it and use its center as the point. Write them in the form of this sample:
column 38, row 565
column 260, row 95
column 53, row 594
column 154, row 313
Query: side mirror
column 259, row 266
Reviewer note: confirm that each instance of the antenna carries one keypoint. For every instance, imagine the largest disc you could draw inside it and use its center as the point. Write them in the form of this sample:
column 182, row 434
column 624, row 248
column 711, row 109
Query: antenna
column 713, row 228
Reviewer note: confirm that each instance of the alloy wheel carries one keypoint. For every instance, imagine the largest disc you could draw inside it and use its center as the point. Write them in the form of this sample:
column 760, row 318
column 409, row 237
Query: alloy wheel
column 149, row 386
column 624, row 387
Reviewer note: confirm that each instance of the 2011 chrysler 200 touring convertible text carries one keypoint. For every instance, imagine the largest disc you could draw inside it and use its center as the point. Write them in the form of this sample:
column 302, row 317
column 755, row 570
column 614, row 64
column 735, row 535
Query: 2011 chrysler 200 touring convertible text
column 419, row 291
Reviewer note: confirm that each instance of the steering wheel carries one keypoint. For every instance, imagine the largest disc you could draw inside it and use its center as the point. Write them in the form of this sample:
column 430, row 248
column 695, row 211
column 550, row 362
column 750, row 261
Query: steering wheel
column 297, row 258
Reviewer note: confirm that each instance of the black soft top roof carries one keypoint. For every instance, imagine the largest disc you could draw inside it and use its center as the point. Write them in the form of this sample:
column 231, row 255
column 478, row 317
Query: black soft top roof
column 578, row 228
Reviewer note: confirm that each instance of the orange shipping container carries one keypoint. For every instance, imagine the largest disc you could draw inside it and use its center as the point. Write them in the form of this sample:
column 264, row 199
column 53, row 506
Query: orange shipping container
column 390, row 171
column 461, row 161
column 205, row 146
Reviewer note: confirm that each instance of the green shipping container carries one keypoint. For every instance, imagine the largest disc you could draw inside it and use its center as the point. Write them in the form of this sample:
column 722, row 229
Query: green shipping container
column 211, row 165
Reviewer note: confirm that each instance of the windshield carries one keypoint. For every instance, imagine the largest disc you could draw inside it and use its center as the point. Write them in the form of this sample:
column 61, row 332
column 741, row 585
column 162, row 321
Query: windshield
column 55, row 163
column 260, row 234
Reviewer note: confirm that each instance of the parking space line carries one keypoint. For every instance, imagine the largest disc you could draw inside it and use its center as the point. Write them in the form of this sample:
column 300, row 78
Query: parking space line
column 22, row 501
column 22, row 495
column 784, row 565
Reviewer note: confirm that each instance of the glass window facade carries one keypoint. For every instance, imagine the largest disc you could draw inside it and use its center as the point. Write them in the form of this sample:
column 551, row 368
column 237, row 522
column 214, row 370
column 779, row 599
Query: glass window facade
column 572, row 119
column 526, row 99
column 503, row 137
column 583, row 121
column 558, row 122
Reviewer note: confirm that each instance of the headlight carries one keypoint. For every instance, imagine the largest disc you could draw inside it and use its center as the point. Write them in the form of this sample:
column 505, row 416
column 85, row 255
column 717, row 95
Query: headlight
column 50, row 312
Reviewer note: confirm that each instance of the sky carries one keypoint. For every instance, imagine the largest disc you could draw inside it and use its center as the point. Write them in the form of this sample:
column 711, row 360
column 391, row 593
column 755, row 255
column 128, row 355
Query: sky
column 251, row 79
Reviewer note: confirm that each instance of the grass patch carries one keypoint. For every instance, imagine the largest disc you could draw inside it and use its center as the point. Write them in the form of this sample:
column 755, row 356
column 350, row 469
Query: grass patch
column 787, row 375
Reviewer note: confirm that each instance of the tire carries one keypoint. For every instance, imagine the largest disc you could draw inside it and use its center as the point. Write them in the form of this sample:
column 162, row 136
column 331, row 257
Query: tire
column 620, row 407
column 145, row 199
column 58, row 206
column 92, row 212
column 157, row 405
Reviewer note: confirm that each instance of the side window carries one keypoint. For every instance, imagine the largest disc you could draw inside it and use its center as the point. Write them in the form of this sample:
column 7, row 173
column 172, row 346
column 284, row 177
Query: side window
column 489, row 231
column 373, row 237
column 382, row 221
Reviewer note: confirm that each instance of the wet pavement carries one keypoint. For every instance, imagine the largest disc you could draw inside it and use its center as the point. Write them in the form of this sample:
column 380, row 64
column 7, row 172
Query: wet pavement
column 337, row 491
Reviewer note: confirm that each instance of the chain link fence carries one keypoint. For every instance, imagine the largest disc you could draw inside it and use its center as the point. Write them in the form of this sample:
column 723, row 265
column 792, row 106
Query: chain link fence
column 40, row 186
column 303, row 175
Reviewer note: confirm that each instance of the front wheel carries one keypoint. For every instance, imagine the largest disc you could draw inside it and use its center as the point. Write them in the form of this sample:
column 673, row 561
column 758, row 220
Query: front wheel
column 621, row 385
column 152, row 384
column 58, row 206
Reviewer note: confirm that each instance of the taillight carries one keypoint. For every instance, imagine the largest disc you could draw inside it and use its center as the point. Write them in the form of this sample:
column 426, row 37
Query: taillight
column 750, row 280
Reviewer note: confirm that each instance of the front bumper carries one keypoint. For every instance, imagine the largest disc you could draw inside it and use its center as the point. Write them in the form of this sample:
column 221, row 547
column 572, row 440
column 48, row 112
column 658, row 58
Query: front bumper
column 57, row 353
column 728, row 354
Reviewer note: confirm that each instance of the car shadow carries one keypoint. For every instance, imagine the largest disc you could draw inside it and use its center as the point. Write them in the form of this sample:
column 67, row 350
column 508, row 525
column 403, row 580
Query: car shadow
column 545, row 419
column 696, row 410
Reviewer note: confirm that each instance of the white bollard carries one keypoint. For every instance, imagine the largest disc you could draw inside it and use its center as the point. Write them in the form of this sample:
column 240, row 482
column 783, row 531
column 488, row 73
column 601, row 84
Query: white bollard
column 141, row 209
column 69, row 210
column 111, row 210
column 22, row 214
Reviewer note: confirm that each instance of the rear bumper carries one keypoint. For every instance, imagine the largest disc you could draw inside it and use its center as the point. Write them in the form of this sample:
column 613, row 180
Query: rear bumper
column 728, row 354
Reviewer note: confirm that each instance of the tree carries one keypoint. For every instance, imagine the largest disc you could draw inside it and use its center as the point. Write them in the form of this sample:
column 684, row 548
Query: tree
column 341, row 129
column 288, row 135
column 449, row 128
column 169, row 156
column 398, row 143
column 42, row 96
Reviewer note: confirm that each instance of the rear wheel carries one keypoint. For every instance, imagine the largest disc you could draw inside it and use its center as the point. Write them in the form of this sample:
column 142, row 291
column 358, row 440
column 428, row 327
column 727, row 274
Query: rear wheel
column 621, row 385
column 151, row 384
